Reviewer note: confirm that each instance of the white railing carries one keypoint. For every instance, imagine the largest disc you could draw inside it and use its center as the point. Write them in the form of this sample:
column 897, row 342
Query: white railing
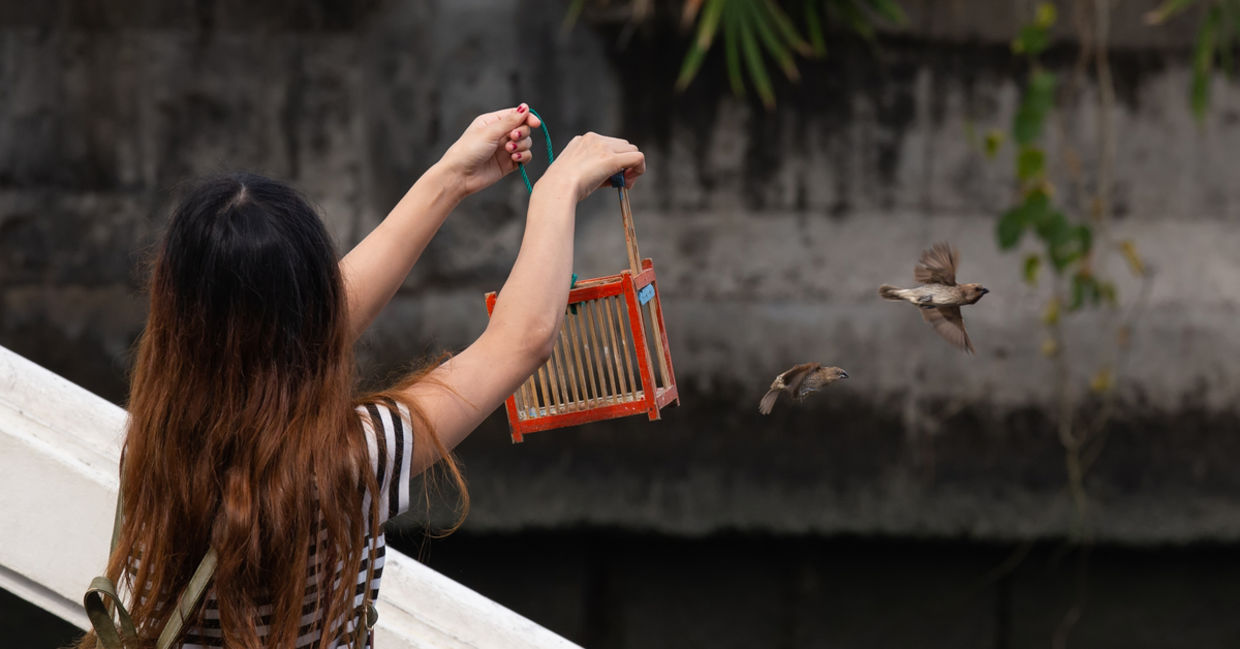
column 59, row 446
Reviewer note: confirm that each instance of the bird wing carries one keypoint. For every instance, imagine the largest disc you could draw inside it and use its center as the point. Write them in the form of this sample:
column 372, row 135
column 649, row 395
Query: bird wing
column 768, row 401
column 948, row 322
column 937, row 265
column 792, row 378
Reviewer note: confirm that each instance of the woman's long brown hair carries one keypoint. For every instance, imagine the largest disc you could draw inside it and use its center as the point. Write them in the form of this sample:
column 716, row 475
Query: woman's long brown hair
column 242, row 433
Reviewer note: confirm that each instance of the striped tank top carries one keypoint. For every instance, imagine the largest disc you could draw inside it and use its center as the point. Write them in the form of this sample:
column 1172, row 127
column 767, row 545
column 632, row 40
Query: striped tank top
column 389, row 438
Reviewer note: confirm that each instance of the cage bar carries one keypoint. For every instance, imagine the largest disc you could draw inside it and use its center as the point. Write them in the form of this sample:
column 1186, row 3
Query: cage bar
column 611, row 358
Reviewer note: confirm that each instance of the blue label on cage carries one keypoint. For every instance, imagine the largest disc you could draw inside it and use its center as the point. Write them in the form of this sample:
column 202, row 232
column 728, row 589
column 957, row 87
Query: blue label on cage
column 645, row 295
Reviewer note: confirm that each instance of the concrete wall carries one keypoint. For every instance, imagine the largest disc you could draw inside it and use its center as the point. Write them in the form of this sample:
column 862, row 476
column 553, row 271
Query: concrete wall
column 770, row 232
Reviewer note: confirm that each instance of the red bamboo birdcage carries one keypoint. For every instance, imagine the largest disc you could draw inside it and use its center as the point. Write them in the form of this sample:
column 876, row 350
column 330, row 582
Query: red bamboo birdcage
column 602, row 365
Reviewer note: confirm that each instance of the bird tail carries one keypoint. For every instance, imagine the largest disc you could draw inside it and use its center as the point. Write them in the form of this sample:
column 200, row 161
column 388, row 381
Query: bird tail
column 889, row 292
column 768, row 401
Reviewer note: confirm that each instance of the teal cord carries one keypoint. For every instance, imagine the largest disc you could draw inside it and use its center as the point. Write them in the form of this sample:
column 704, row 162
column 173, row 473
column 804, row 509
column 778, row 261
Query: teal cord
column 530, row 186
column 550, row 153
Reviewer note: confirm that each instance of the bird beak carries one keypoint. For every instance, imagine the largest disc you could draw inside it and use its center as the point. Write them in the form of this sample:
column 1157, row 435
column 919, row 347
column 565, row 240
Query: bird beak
column 985, row 291
column 843, row 374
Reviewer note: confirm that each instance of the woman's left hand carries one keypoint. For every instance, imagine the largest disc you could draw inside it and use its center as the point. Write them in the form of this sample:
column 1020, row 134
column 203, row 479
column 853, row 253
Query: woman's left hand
column 491, row 148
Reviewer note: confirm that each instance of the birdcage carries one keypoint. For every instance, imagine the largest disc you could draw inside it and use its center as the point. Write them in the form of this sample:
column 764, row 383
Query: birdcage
column 611, row 358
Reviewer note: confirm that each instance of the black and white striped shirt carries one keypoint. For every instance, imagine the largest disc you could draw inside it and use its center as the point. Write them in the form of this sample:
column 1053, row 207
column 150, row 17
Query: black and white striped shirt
column 389, row 438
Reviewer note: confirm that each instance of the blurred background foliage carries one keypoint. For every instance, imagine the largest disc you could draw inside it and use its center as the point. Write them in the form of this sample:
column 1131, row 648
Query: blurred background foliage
column 756, row 33
column 1070, row 238
column 759, row 34
column 1218, row 36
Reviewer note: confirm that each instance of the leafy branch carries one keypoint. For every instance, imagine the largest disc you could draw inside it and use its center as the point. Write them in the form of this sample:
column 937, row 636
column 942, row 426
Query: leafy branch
column 1071, row 248
column 756, row 33
column 1217, row 37
column 1066, row 245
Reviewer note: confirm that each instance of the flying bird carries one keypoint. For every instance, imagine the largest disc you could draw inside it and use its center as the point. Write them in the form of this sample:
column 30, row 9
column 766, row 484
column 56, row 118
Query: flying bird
column 799, row 382
column 939, row 297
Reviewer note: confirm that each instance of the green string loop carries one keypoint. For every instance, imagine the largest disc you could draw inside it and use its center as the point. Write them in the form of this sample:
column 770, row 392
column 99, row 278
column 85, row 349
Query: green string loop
column 550, row 153
column 542, row 123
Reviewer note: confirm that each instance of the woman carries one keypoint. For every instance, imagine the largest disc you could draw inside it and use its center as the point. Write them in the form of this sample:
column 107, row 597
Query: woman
column 244, row 434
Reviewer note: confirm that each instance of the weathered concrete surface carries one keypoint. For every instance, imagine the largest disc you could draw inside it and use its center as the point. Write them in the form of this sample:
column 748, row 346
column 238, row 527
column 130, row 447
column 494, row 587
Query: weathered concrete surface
column 770, row 232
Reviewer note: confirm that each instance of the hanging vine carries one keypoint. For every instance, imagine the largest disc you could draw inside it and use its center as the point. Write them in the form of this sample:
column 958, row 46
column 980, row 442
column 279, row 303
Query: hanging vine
column 1070, row 245
column 1214, row 48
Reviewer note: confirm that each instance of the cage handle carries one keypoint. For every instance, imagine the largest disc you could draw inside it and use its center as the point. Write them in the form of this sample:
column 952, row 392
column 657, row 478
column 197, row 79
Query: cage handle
column 630, row 233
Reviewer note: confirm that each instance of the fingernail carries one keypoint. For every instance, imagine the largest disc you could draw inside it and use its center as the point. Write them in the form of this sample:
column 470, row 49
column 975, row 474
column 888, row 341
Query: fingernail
column 522, row 108
column 512, row 146
column 517, row 157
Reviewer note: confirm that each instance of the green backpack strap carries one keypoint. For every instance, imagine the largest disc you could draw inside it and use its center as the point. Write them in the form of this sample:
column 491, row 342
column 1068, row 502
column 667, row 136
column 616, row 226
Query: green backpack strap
column 97, row 610
column 101, row 597
column 190, row 597
column 100, row 614
column 117, row 519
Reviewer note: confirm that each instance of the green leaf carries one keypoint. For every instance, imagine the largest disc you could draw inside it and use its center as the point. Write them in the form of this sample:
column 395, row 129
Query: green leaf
column 1065, row 243
column 813, row 25
column 1107, row 291
column 1011, row 225
column 1085, row 237
column 731, row 48
column 1167, row 10
column 1085, row 288
column 786, row 27
column 1203, row 62
column 1032, row 40
column 1080, row 282
column 992, row 142
column 1052, row 227
column 1129, row 249
column 1034, row 105
column 1037, row 207
column 1050, row 315
column 778, row 49
column 708, row 25
column 1042, row 88
column 855, row 19
column 1049, row 227
column 889, row 11
column 571, row 16
column 1232, row 9
column 1228, row 13
column 757, row 69
column 1030, row 162
column 1033, row 263
column 1045, row 16
column 1199, row 94
column 1103, row 381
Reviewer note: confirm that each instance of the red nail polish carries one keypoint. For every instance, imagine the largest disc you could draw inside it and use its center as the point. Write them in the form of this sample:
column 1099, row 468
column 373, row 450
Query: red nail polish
column 512, row 146
column 521, row 108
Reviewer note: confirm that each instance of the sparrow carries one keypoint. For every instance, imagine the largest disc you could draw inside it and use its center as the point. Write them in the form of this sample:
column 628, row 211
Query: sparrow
column 939, row 297
column 799, row 382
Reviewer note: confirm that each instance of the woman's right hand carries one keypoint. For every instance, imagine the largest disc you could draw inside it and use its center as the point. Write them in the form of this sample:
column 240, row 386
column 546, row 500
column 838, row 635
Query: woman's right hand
column 590, row 160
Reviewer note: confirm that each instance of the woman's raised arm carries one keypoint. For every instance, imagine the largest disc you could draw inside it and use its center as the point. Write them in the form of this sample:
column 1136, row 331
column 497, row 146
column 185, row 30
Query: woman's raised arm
column 488, row 150
column 529, row 310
